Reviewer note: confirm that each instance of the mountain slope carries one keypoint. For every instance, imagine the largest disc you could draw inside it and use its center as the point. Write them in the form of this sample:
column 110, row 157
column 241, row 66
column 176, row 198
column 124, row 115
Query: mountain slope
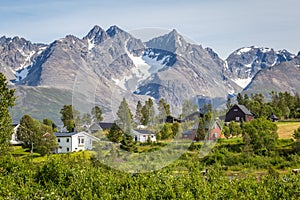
column 244, row 63
column 281, row 77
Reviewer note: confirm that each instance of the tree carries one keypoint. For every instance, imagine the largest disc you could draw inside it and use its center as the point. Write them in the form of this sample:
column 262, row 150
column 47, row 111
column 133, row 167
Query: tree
column 50, row 123
column 86, row 119
column 163, row 109
column 148, row 112
column 176, row 130
column 228, row 103
column 7, row 100
column 166, row 131
column 96, row 114
column 138, row 112
column 201, row 131
column 124, row 116
column 28, row 131
column 261, row 134
column 115, row 134
column 240, row 99
column 226, row 131
column 127, row 143
column 36, row 135
column 234, row 128
column 67, row 117
column 47, row 140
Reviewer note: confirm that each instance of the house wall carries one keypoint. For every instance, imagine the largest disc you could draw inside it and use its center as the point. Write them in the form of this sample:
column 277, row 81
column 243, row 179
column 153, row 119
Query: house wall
column 215, row 133
column 144, row 138
column 233, row 113
column 64, row 144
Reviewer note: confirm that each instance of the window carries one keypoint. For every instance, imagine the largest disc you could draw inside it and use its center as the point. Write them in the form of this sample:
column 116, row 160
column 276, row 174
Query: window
column 68, row 149
column 67, row 139
column 80, row 140
column 237, row 119
column 235, row 110
column 58, row 140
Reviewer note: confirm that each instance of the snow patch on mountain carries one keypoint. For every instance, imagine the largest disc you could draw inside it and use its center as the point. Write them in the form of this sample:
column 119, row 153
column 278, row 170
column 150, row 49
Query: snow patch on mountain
column 22, row 73
column 91, row 44
column 243, row 50
column 242, row 82
column 144, row 66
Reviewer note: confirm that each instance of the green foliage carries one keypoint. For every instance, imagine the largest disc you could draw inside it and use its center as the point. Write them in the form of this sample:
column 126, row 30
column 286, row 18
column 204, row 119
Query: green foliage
column 127, row 143
column 125, row 116
column 138, row 113
column 7, row 100
column 166, row 131
column 35, row 134
column 50, row 123
column 163, row 108
column 115, row 134
column 148, row 112
column 297, row 134
column 282, row 104
column 67, row 117
column 86, row 119
column 226, row 131
column 261, row 134
column 96, row 114
column 201, row 131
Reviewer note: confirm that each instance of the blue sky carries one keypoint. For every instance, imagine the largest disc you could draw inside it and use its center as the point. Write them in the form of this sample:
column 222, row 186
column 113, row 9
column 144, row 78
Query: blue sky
column 223, row 25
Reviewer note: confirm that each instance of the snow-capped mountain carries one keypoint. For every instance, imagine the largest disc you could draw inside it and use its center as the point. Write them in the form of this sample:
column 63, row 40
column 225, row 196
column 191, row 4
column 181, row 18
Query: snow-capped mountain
column 281, row 77
column 108, row 62
column 17, row 56
column 243, row 64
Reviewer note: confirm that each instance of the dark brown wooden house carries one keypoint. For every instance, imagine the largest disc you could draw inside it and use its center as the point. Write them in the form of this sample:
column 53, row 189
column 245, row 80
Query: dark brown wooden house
column 238, row 113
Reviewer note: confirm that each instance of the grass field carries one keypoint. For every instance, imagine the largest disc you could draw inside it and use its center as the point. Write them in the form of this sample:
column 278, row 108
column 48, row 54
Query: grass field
column 286, row 129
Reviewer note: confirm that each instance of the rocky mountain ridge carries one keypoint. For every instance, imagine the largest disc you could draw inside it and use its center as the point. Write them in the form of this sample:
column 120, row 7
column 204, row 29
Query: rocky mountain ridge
column 114, row 61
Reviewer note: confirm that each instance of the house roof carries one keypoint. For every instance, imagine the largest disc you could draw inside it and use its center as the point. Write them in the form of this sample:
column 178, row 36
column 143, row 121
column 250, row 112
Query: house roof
column 74, row 133
column 106, row 125
column 66, row 134
column 188, row 132
column 142, row 132
column 244, row 109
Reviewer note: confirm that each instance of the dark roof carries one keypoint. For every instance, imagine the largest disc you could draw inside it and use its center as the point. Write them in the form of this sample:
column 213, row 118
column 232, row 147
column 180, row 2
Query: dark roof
column 64, row 134
column 244, row 109
column 106, row 125
column 143, row 131
column 193, row 115
column 273, row 117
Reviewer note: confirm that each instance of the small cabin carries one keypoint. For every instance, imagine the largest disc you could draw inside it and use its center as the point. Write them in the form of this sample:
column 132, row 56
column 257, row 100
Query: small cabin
column 239, row 113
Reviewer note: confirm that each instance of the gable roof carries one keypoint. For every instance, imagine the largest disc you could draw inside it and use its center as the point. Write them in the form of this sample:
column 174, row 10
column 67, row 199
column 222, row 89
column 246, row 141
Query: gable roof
column 106, row 125
column 74, row 133
column 66, row 134
column 244, row 109
column 142, row 132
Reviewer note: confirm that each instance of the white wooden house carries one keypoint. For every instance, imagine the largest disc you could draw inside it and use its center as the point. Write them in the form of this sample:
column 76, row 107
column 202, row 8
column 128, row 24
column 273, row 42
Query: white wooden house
column 74, row 141
column 143, row 135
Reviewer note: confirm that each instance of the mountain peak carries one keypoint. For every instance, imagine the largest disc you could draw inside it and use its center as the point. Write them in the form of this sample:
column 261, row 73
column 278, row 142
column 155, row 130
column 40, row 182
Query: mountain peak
column 113, row 30
column 170, row 41
column 97, row 34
